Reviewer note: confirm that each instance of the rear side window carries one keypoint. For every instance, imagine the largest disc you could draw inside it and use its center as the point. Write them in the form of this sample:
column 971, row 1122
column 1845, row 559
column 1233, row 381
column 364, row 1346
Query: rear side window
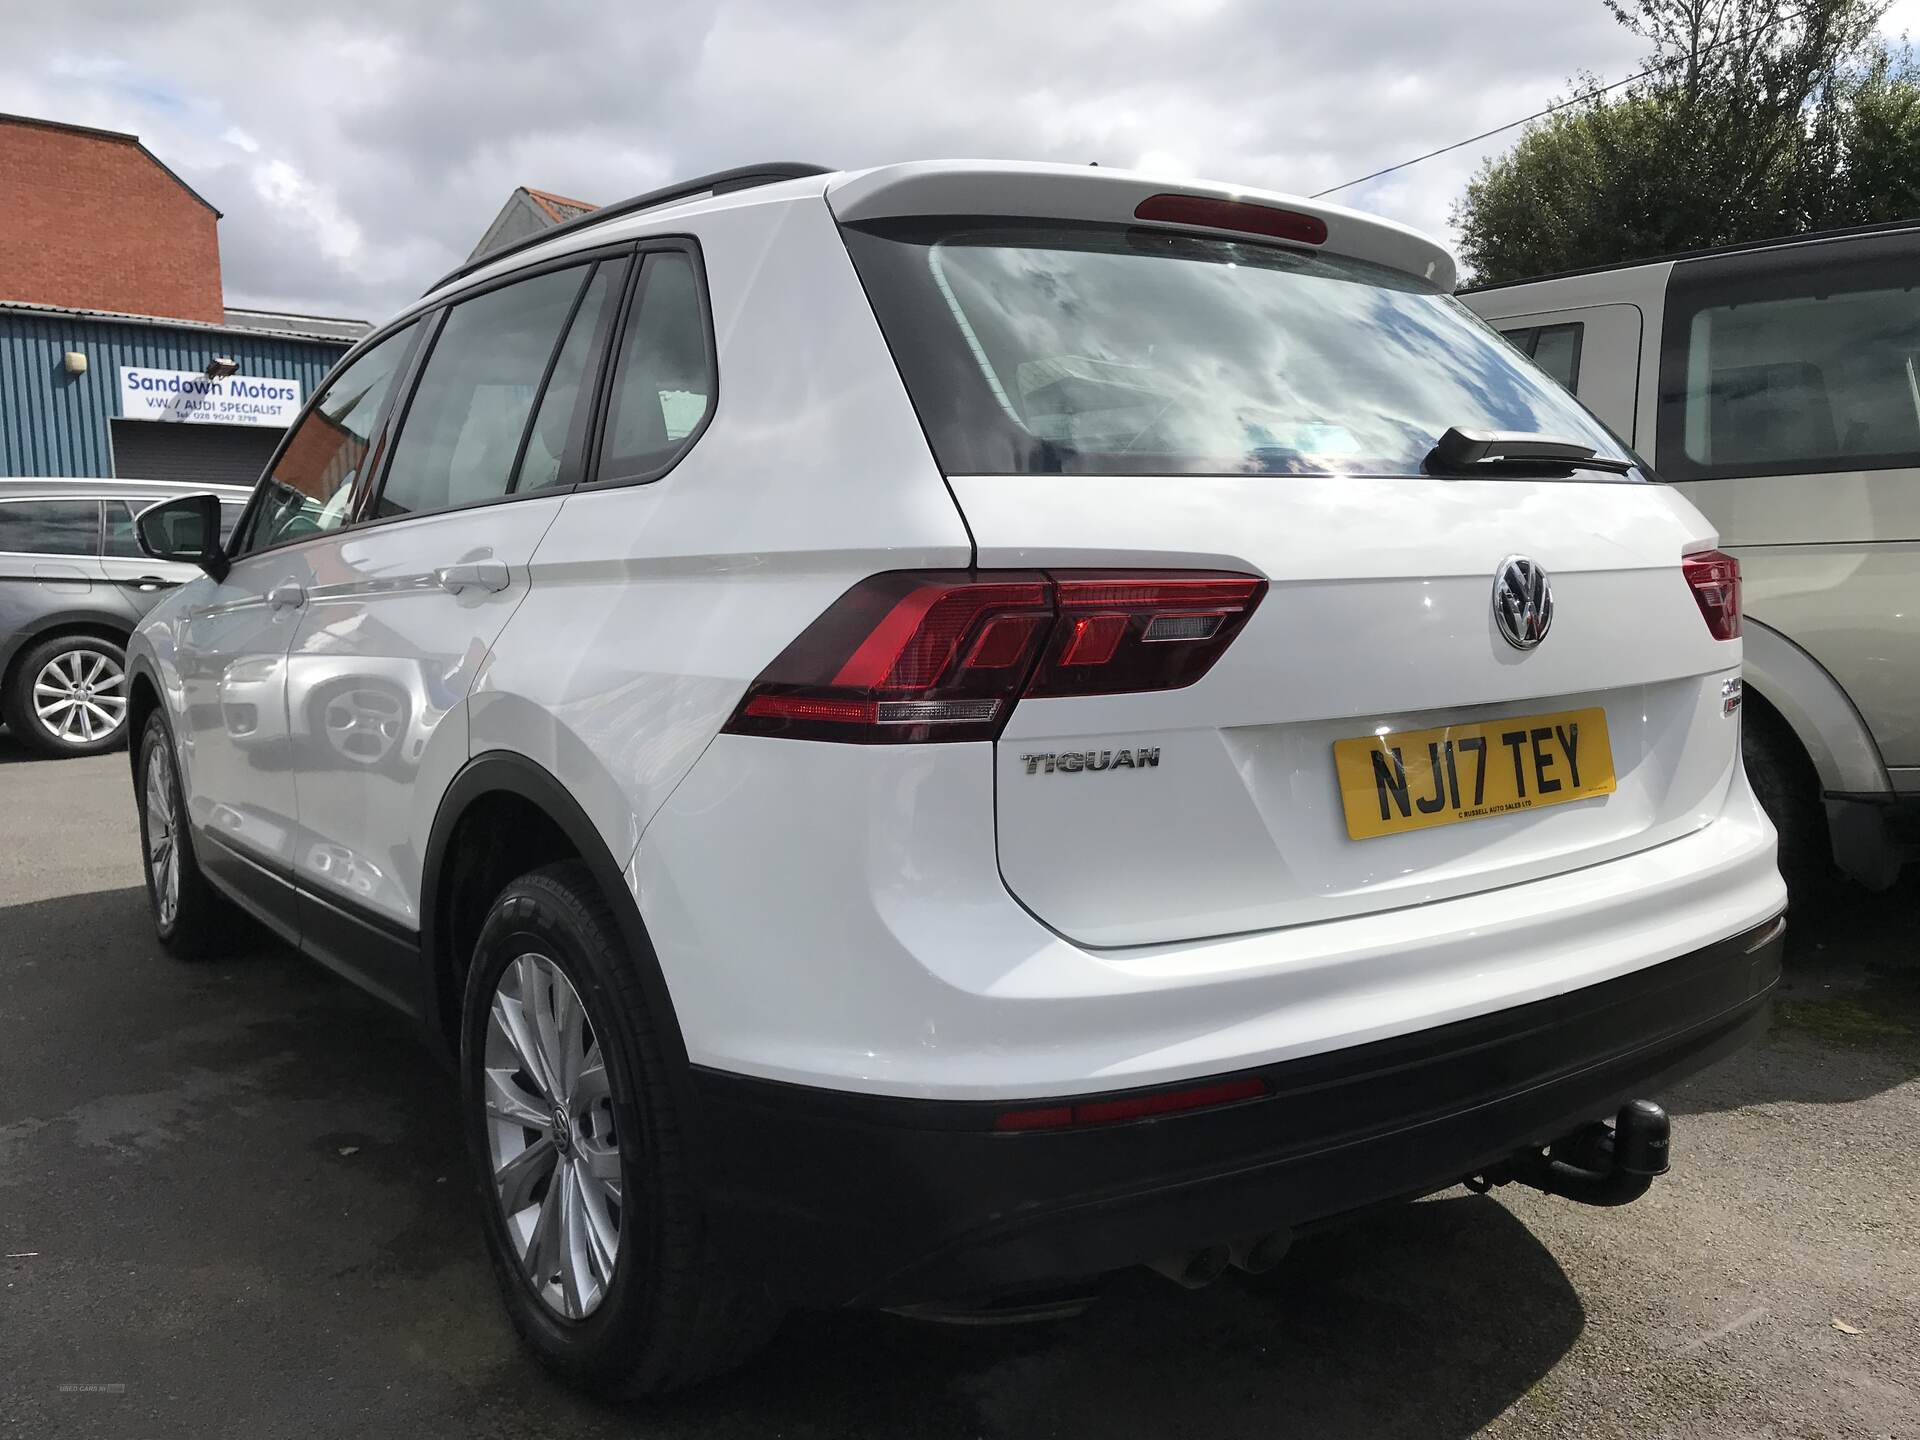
column 1554, row 348
column 460, row 440
column 311, row 484
column 664, row 381
column 1793, row 361
column 1110, row 350
column 50, row 527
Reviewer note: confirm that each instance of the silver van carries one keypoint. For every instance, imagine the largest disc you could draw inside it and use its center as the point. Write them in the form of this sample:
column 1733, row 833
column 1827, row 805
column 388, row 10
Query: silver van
column 1778, row 386
column 73, row 584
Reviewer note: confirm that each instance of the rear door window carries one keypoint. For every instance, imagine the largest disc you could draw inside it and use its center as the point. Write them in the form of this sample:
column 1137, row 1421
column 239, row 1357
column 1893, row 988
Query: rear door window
column 50, row 527
column 1793, row 361
column 1031, row 349
column 461, row 436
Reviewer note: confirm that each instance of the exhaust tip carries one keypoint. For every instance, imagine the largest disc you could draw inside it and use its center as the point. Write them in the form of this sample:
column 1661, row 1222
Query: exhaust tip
column 1193, row 1269
column 1260, row 1253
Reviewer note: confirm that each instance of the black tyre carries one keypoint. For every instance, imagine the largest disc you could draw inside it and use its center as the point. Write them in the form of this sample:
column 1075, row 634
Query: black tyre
column 593, row 1223
column 1788, row 789
column 191, row 919
column 68, row 696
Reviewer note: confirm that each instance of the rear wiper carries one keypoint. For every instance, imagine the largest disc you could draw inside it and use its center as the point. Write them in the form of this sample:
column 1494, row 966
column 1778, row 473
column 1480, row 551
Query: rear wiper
column 1515, row 452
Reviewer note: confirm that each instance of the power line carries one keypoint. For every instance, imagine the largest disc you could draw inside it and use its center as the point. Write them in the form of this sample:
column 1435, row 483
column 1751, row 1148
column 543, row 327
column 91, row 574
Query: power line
column 1557, row 106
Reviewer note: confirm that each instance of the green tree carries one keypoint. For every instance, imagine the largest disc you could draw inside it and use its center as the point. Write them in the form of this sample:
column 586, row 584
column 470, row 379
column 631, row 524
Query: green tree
column 1758, row 118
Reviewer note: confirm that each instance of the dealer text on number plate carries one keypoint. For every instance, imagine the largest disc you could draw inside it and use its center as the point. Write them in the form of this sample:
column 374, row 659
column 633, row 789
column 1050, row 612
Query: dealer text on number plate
column 1418, row 778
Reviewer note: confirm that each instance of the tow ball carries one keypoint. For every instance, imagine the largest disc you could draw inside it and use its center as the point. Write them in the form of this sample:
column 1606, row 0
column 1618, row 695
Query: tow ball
column 1599, row 1164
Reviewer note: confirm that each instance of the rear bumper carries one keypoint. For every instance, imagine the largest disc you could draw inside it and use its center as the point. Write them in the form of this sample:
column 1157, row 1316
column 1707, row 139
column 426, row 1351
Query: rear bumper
column 837, row 1197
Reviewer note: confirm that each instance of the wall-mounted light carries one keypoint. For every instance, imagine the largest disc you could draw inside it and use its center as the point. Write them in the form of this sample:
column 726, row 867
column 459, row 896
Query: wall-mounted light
column 221, row 366
column 75, row 362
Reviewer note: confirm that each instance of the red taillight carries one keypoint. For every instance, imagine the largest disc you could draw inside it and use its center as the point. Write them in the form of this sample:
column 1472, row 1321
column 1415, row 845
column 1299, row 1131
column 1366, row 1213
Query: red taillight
column 1131, row 1107
column 1121, row 633
column 911, row 657
column 1714, row 578
column 1242, row 215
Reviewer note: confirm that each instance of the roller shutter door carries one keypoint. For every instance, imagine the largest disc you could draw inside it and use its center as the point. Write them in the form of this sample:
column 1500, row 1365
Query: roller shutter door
column 192, row 454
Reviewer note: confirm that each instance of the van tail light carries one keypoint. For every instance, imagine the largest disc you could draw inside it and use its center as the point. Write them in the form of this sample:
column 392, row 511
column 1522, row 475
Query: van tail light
column 1714, row 578
column 915, row 656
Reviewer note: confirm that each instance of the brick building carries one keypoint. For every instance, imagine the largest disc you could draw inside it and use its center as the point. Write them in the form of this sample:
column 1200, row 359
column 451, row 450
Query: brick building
column 112, row 310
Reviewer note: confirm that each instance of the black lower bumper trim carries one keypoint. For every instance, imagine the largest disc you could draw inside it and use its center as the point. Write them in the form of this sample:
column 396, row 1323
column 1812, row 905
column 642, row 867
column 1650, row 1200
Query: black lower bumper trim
column 834, row 1197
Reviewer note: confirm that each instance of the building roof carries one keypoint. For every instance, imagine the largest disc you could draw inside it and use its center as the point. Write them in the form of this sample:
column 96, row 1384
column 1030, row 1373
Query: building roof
column 25, row 307
column 559, row 206
column 120, row 136
column 528, row 212
column 283, row 322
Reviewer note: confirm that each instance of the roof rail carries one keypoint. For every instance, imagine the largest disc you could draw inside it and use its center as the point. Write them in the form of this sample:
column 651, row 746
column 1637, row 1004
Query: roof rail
column 1736, row 247
column 742, row 177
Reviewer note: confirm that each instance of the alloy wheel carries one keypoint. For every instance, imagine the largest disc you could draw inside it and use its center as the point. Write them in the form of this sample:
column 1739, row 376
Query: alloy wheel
column 554, row 1154
column 163, row 840
column 80, row 696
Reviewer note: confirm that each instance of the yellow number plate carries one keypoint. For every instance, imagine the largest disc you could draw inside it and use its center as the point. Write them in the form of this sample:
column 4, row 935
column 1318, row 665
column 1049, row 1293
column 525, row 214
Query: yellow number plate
column 1391, row 783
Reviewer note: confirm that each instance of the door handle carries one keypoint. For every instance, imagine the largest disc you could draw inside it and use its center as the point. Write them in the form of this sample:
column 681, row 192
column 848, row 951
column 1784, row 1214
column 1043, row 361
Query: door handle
column 147, row 582
column 287, row 596
column 480, row 575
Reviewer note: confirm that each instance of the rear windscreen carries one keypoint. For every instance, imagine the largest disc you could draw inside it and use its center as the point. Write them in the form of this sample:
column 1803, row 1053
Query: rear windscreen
column 1039, row 349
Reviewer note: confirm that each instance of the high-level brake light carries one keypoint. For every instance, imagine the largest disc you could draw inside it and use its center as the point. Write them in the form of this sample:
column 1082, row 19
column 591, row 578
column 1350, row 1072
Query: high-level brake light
column 1242, row 215
column 918, row 656
column 1714, row 578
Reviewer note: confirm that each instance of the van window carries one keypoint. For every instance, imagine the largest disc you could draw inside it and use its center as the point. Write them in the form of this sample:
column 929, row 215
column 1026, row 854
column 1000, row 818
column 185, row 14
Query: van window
column 663, row 387
column 50, row 527
column 311, row 484
column 1554, row 348
column 1804, row 360
column 463, row 426
column 1034, row 348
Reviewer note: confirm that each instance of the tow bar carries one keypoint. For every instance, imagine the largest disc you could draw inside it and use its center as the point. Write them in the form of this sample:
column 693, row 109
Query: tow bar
column 1599, row 1164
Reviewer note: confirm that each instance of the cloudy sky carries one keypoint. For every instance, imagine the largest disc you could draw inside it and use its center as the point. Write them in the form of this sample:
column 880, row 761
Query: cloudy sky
column 358, row 149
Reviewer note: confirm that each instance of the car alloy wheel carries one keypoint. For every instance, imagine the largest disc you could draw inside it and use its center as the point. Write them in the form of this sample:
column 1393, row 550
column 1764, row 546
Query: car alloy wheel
column 80, row 696
column 163, row 848
column 554, row 1155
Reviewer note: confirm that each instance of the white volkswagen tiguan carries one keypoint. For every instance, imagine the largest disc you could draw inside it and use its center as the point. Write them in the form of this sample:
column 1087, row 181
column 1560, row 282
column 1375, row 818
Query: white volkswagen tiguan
column 924, row 736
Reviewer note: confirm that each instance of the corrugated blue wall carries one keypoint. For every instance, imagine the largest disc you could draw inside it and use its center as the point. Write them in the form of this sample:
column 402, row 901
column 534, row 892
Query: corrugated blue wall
column 53, row 423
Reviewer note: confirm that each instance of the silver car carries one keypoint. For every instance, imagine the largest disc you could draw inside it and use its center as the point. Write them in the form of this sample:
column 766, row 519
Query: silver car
column 73, row 584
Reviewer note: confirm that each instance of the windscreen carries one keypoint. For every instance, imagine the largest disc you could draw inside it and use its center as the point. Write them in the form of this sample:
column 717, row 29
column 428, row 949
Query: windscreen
column 1035, row 349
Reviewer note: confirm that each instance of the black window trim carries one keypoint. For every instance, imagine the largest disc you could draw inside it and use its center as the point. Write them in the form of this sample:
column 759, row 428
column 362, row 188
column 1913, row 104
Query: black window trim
column 591, row 478
column 99, row 525
column 1849, row 266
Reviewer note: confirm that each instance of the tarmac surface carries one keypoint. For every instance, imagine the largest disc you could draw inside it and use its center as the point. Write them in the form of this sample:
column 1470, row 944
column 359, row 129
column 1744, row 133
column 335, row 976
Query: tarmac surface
column 233, row 1203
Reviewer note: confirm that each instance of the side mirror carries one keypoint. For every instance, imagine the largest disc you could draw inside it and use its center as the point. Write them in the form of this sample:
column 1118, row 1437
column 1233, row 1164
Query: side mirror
column 186, row 529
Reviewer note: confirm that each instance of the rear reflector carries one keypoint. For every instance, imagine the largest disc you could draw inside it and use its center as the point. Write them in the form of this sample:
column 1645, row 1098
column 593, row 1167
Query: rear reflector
column 1714, row 578
column 1241, row 215
column 1131, row 1107
column 912, row 657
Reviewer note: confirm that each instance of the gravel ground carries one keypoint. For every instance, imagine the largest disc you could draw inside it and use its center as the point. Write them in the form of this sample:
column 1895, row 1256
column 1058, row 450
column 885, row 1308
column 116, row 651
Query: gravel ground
column 232, row 1203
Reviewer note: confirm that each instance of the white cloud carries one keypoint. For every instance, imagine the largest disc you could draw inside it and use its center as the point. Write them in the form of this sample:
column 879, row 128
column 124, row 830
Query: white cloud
column 358, row 149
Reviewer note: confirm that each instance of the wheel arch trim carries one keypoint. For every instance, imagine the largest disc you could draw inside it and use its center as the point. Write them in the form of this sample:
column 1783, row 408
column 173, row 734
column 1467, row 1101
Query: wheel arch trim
column 508, row 772
column 1821, row 715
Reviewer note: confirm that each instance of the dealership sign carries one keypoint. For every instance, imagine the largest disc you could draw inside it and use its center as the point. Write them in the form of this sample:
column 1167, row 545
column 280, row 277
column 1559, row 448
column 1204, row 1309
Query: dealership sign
column 191, row 397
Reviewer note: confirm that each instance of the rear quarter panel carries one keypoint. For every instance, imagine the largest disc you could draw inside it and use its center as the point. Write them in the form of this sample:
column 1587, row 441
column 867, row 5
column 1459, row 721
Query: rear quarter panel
column 653, row 606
